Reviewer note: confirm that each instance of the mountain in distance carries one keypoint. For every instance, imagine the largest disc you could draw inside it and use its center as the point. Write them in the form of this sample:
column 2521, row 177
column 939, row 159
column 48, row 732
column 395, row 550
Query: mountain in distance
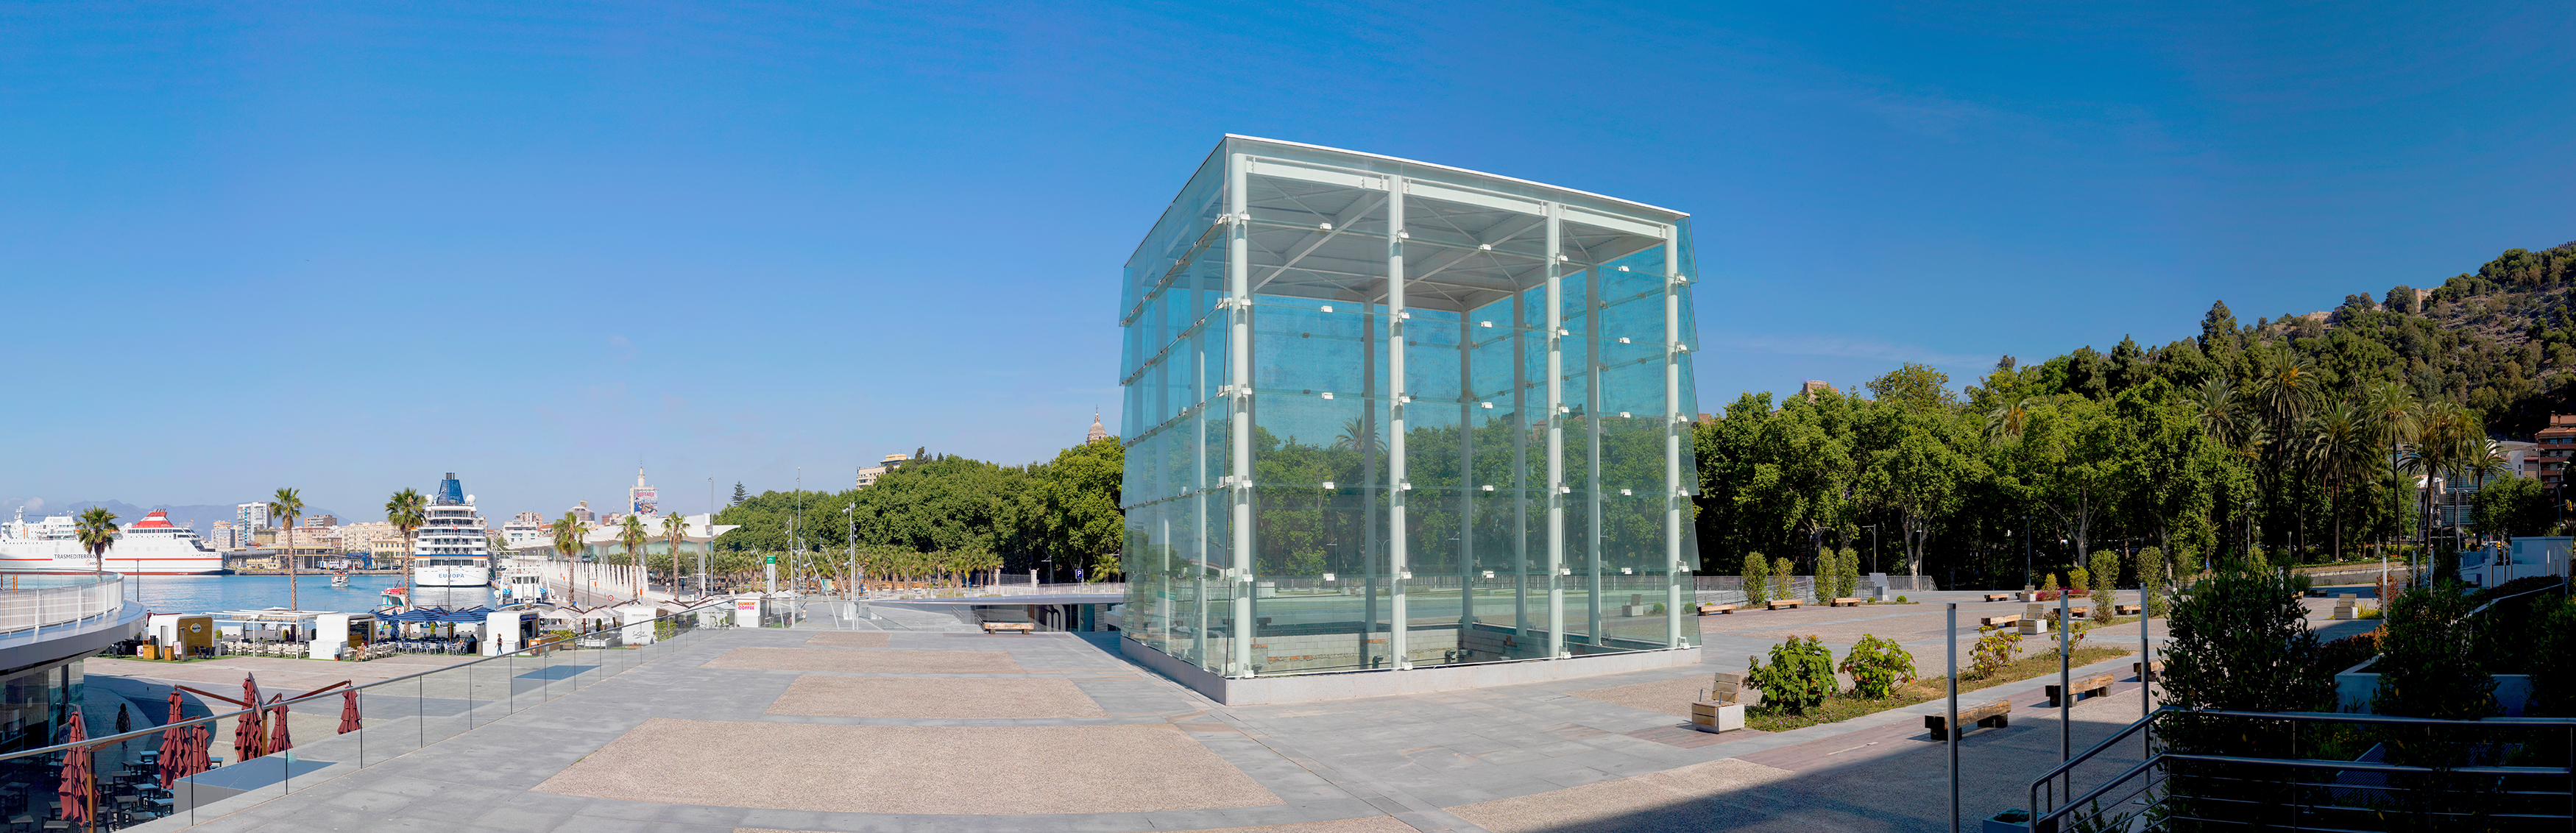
column 2500, row 341
column 199, row 517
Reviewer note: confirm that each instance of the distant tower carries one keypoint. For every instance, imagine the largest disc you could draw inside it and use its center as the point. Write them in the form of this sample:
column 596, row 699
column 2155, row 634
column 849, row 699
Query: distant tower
column 1098, row 432
column 643, row 499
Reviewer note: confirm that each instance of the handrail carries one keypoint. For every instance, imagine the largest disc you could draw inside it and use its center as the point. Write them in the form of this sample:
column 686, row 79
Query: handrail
column 2154, row 759
column 103, row 740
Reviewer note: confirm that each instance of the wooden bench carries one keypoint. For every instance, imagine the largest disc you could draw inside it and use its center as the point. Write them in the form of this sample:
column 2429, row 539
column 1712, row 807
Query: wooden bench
column 1777, row 604
column 1999, row 597
column 1705, row 610
column 1847, row 602
column 1995, row 715
column 2077, row 612
column 1016, row 627
column 2124, row 610
column 2004, row 621
column 2143, row 670
column 2093, row 686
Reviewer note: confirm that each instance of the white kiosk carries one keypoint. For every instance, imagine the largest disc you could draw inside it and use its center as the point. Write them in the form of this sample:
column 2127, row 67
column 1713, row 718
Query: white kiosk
column 507, row 630
column 334, row 632
column 636, row 623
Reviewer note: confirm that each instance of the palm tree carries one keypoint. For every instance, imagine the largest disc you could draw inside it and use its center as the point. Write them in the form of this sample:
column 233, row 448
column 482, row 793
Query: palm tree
column 568, row 531
column 2007, row 420
column 285, row 506
column 632, row 534
column 2339, row 444
column 96, row 531
column 2221, row 412
column 2392, row 410
column 2448, row 442
column 675, row 529
column 408, row 511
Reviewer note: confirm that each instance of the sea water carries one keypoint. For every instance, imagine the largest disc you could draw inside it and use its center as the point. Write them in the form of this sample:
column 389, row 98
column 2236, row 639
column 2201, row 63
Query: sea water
column 312, row 591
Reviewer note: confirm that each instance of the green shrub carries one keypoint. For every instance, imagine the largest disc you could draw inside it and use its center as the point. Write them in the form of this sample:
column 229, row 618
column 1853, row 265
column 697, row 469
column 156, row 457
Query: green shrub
column 1781, row 570
column 1800, row 676
column 2048, row 584
column 2078, row 582
column 2553, row 684
column 1901, row 600
column 2428, row 664
column 1659, row 608
column 1994, row 651
column 1829, row 568
column 1877, row 666
column 1757, row 574
column 1847, row 582
column 2105, row 574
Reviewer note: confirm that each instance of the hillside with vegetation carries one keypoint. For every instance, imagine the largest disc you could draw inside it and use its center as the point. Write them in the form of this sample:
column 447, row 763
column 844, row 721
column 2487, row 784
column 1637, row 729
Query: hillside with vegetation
column 2293, row 437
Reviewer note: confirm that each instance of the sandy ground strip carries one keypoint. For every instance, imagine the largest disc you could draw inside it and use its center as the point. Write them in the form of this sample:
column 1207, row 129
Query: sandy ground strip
column 911, row 769
column 935, row 697
column 880, row 662
column 849, row 639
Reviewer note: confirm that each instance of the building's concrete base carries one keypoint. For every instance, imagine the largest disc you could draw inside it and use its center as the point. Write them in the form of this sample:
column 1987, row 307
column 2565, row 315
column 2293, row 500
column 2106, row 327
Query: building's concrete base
column 1344, row 685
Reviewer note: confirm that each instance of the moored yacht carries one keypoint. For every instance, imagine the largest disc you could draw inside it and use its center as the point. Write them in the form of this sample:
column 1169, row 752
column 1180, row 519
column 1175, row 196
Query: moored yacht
column 452, row 550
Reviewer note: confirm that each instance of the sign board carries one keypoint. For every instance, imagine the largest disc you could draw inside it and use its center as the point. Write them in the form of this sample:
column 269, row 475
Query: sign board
column 746, row 613
column 769, row 560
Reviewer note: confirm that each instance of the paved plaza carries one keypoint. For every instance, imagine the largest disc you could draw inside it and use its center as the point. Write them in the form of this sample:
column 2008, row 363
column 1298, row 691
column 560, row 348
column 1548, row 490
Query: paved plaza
column 912, row 721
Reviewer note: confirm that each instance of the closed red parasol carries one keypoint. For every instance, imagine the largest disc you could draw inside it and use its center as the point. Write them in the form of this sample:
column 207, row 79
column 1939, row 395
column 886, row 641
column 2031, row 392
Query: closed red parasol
column 250, row 739
column 79, row 783
column 201, row 748
column 279, row 740
column 349, row 711
column 174, row 744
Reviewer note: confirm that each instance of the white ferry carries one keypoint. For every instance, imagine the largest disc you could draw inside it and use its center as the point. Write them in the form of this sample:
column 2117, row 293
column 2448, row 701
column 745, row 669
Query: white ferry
column 153, row 547
column 452, row 550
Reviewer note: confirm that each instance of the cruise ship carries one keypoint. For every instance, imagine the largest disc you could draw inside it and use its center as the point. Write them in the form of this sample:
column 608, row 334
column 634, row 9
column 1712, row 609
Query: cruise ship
column 452, row 550
column 152, row 546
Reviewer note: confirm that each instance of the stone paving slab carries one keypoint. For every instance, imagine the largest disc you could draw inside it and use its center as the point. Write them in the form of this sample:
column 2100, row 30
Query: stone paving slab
column 1369, row 824
column 843, row 660
column 911, row 769
column 935, row 697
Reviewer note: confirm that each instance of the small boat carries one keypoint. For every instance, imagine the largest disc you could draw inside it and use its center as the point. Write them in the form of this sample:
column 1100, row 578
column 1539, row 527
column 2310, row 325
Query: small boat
column 395, row 597
column 340, row 579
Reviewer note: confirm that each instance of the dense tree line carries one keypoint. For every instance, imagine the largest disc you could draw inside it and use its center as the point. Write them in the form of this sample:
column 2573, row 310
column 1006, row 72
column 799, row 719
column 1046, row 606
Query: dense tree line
column 2302, row 436
column 1052, row 516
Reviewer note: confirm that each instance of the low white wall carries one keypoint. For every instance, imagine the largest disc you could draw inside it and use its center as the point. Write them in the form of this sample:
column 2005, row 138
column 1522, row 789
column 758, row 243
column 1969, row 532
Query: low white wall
column 2354, row 687
column 1350, row 684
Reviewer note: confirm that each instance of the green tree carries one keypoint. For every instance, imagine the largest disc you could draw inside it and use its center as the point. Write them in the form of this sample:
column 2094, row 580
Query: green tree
column 632, row 534
column 2342, row 446
column 2513, row 506
column 675, row 531
column 285, row 506
column 568, row 531
column 407, row 511
column 95, row 529
column 1757, row 574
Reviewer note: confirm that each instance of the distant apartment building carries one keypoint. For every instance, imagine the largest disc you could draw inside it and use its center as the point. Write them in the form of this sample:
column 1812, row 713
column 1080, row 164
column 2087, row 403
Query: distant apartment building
column 582, row 512
column 321, row 520
column 2557, row 444
column 526, row 529
column 250, row 516
column 868, row 476
column 224, row 536
column 362, row 537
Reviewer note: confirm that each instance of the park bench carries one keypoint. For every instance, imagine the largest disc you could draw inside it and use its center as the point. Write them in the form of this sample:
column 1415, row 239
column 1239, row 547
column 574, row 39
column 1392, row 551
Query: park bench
column 2346, row 607
column 2077, row 612
column 1999, row 597
column 1777, row 604
column 2124, row 610
column 1710, row 609
column 1996, row 715
column 2004, row 621
column 1721, row 709
column 2093, row 686
column 1847, row 602
column 1015, row 627
column 2142, row 669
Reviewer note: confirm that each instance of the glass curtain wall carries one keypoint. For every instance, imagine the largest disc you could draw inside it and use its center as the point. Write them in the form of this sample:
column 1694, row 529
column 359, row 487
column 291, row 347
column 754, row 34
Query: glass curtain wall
column 1382, row 414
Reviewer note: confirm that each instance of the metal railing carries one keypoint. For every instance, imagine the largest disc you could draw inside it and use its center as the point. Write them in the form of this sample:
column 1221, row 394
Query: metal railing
column 442, row 703
column 2197, row 790
column 44, row 607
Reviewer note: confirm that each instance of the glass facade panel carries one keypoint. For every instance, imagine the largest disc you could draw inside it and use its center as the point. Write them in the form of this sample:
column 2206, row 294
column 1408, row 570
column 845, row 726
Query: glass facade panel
column 1346, row 448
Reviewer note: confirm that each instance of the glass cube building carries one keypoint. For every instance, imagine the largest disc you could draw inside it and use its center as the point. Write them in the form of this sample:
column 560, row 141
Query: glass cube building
column 1384, row 414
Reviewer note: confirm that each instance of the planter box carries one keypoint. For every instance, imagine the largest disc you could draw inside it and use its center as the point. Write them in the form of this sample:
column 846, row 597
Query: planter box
column 1713, row 716
column 2354, row 687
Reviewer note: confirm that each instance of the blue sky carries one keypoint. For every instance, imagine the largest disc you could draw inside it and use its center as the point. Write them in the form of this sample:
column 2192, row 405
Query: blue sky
column 350, row 246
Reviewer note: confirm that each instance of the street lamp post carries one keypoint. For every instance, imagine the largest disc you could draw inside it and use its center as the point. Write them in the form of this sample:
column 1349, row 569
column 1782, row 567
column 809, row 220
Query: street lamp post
column 851, row 513
column 2025, row 553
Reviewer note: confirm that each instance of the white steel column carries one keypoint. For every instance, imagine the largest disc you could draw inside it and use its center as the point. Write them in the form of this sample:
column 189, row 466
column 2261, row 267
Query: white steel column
column 1674, row 568
column 1198, row 495
column 1556, row 489
column 1397, row 569
column 1592, row 535
column 1238, row 280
